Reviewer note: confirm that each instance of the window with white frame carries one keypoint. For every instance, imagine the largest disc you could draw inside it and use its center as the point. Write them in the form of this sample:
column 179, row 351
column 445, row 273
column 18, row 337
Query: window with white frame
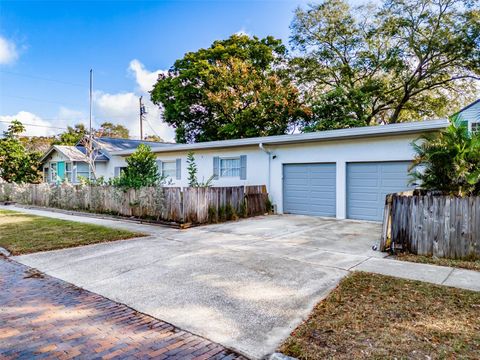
column 53, row 172
column 169, row 169
column 83, row 170
column 476, row 126
column 45, row 174
column 68, row 171
column 230, row 167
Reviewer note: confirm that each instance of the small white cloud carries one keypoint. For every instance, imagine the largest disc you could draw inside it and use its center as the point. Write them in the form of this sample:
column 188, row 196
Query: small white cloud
column 242, row 31
column 34, row 124
column 145, row 79
column 8, row 51
column 123, row 108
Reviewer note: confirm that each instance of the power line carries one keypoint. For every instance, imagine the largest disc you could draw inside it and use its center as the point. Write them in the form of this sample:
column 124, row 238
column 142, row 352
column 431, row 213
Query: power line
column 42, row 78
column 37, row 125
column 40, row 100
column 151, row 127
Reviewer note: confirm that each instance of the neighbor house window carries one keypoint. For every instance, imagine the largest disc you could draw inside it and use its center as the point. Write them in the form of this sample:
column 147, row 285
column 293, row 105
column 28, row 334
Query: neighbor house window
column 68, row 171
column 230, row 167
column 475, row 126
column 53, row 172
column 169, row 169
column 83, row 170
column 45, row 174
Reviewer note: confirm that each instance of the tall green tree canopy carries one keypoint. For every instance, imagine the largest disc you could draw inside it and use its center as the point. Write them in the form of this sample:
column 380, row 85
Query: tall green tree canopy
column 72, row 136
column 404, row 60
column 239, row 87
column 16, row 163
column 108, row 129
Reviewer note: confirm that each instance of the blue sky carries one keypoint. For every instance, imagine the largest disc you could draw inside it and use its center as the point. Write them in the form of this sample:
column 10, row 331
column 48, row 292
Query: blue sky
column 47, row 49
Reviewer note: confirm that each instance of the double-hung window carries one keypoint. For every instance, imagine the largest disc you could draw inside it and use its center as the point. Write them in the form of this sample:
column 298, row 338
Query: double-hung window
column 476, row 127
column 83, row 170
column 68, row 171
column 53, row 172
column 230, row 167
column 169, row 169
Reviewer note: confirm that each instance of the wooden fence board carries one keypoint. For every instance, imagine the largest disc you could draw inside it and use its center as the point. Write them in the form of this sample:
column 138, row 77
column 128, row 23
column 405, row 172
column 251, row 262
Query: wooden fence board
column 187, row 205
column 433, row 225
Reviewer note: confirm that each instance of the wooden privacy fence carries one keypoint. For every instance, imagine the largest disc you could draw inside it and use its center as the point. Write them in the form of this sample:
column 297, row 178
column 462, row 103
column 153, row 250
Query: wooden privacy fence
column 190, row 205
column 432, row 225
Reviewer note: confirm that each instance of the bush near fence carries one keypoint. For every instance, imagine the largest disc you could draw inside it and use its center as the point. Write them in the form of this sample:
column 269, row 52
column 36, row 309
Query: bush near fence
column 190, row 205
column 432, row 225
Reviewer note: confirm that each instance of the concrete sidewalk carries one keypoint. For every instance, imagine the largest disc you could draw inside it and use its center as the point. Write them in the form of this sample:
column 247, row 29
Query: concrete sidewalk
column 440, row 275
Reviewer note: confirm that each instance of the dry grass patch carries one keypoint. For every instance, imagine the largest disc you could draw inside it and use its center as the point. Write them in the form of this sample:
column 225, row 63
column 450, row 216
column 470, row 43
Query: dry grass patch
column 463, row 264
column 23, row 233
column 376, row 316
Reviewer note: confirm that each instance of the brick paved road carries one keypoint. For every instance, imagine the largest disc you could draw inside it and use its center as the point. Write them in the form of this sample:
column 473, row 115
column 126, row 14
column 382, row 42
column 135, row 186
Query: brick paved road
column 43, row 317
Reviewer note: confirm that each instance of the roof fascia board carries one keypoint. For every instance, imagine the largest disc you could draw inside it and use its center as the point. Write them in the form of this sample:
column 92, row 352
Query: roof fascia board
column 368, row 131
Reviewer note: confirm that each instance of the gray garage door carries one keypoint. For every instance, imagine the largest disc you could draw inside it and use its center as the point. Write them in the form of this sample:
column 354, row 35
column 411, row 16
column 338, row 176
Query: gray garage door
column 367, row 185
column 309, row 189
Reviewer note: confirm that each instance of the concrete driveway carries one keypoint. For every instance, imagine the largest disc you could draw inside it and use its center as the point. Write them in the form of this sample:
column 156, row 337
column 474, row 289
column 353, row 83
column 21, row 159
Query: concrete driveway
column 243, row 284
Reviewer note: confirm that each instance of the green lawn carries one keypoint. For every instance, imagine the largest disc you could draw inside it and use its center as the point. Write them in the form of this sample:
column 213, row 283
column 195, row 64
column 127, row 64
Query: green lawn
column 463, row 264
column 372, row 316
column 23, row 233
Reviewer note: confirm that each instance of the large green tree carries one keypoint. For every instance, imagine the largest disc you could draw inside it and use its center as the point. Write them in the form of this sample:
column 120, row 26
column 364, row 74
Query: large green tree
column 404, row 60
column 238, row 87
column 72, row 135
column 17, row 165
column 108, row 129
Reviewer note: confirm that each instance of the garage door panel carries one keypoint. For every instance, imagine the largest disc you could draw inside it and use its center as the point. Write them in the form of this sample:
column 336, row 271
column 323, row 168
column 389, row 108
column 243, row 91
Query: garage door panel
column 369, row 183
column 309, row 189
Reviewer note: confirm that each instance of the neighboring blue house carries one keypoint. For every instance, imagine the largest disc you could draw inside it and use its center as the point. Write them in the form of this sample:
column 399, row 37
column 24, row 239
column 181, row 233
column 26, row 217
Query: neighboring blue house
column 471, row 115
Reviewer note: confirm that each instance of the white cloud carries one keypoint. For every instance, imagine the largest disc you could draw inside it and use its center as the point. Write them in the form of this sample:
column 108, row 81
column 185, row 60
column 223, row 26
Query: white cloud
column 8, row 51
column 118, row 108
column 123, row 108
column 34, row 125
column 145, row 79
column 243, row 31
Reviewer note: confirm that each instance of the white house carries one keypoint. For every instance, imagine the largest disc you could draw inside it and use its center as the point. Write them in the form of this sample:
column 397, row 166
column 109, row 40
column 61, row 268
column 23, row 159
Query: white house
column 339, row 173
column 471, row 115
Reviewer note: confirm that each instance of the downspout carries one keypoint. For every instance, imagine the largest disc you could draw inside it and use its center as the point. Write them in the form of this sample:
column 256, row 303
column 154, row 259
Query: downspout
column 269, row 153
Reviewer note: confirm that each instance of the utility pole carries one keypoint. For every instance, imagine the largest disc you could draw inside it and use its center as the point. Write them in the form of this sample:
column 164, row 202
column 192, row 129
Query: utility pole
column 91, row 88
column 141, row 113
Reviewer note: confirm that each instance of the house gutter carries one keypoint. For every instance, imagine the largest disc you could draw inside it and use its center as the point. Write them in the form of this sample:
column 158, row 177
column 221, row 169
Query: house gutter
column 269, row 154
column 328, row 135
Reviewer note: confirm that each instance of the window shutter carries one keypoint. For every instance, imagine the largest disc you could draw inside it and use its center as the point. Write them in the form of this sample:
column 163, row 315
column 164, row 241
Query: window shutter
column 178, row 168
column 159, row 166
column 116, row 171
column 243, row 167
column 216, row 167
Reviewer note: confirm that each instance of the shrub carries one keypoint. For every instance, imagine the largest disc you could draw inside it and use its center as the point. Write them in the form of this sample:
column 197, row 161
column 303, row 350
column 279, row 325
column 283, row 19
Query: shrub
column 244, row 208
column 448, row 162
column 222, row 213
column 141, row 170
column 230, row 212
column 212, row 214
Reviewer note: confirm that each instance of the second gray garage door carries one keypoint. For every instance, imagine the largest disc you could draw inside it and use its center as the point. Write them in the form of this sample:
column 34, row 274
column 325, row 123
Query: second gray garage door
column 368, row 183
column 309, row 189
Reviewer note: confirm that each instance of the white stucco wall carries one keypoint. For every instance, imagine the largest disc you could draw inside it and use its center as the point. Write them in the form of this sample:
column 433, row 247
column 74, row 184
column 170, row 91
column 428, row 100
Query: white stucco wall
column 340, row 152
column 257, row 165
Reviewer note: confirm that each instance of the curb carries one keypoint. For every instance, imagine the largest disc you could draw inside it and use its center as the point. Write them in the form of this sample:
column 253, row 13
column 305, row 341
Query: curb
column 5, row 252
